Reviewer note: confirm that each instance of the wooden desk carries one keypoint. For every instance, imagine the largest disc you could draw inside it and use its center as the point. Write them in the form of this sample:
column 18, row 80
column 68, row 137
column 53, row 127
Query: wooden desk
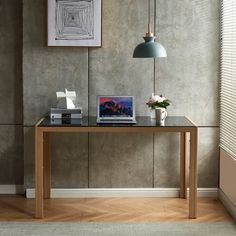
column 182, row 125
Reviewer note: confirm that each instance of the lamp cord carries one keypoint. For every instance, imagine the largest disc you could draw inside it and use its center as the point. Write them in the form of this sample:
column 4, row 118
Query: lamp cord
column 155, row 16
column 149, row 10
column 149, row 18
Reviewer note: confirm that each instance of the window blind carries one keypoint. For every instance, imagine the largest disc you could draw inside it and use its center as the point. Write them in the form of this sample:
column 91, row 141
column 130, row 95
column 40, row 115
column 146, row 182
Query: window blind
column 228, row 77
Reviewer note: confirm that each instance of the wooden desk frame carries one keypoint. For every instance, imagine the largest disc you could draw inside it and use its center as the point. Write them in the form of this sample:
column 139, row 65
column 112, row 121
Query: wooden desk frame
column 43, row 159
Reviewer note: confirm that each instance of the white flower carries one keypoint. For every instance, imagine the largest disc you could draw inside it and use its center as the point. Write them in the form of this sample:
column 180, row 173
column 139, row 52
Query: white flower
column 156, row 98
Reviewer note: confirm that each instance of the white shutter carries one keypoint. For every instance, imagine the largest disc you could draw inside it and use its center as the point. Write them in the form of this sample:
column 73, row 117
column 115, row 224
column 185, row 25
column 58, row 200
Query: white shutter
column 228, row 78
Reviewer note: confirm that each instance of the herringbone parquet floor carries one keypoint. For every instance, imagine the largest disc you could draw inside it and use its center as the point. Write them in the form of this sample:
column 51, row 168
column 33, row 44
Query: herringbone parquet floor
column 130, row 210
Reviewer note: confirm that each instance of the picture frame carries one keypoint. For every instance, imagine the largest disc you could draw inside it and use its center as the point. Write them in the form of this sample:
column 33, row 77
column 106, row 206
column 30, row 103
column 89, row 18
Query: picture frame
column 74, row 23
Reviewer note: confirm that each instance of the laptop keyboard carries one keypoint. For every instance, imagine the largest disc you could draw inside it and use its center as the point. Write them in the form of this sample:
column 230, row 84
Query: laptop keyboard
column 115, row 120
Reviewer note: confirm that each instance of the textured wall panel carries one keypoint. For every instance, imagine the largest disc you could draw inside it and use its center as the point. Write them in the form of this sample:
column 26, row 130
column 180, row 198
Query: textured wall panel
column 166, row 160
column 189, row 76
column 121, row 160
column 11, row 135
column 69, row 160
column 112, row 69
column 11, row 154
column 208, row 159
column 70, row 164
column 29, row 157
column 48, row 69
column 11, row 62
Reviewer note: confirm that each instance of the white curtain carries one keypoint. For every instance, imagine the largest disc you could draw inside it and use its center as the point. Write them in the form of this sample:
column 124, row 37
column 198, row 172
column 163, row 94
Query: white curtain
column 228, row 78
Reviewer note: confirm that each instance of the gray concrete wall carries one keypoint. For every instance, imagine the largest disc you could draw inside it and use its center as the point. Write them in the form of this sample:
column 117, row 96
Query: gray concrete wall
column 11, row 130
column 189, row 77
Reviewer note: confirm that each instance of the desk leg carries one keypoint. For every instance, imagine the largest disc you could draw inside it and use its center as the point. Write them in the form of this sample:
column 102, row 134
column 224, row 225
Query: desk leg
column 47, row 165
column 193, row 174
column 183, row 164
column 38, row 173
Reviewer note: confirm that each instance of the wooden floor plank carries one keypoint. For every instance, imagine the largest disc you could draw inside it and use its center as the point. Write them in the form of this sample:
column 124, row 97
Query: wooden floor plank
column 128, row 210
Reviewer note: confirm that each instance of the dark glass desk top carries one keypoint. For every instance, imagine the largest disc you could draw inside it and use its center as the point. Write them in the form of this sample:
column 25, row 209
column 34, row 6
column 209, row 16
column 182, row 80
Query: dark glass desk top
column 142, row 121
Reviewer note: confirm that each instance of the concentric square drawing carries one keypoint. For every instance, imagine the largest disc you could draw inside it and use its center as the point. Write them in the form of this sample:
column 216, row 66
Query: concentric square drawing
column 74, row 23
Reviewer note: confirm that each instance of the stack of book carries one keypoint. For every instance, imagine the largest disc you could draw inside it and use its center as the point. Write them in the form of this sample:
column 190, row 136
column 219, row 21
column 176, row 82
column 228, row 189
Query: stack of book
column 66, row 116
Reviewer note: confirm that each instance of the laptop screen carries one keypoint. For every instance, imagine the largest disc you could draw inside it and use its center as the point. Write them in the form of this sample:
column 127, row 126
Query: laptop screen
column 115, row 106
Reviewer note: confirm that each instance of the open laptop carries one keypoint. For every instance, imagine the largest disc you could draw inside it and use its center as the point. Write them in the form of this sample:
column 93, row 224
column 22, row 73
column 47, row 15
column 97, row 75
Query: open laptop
column 116, row 110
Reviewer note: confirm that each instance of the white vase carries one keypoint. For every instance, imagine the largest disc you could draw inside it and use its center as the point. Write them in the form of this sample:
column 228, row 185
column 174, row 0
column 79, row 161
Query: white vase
column 152, row 113
column 161, row 115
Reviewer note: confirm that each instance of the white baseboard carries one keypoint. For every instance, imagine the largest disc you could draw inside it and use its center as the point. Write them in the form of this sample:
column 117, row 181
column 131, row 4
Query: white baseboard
column 227, row 203
column 12, row 189
column 121, row 192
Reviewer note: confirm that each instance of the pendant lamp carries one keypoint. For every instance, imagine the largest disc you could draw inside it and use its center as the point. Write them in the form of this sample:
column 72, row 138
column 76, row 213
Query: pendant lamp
column 150, row 48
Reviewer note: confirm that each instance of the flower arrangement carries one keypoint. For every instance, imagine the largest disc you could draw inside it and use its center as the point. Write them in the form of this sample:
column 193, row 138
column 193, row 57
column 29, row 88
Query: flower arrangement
column 156, row 101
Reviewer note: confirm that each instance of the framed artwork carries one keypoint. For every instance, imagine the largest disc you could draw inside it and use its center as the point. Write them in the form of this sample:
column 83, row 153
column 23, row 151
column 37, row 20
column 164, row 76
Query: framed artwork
column 74, row 23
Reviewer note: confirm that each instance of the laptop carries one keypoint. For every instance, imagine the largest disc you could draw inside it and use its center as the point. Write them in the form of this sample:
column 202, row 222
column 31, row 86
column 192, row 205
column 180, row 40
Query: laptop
column 116, row 110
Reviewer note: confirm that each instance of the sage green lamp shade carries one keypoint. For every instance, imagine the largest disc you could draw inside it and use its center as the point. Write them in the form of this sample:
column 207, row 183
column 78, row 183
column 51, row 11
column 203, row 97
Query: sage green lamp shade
column 149, row 49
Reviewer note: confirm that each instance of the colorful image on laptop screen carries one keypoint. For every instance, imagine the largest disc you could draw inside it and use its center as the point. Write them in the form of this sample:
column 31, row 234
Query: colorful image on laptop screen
column 116, row 106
